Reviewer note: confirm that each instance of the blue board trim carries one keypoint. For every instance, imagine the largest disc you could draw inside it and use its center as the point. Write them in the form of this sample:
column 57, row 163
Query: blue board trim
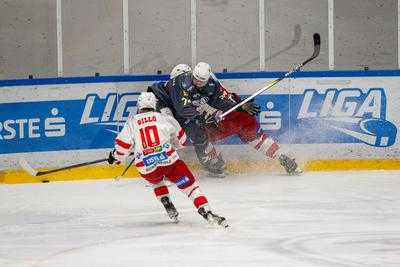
column 230, row 75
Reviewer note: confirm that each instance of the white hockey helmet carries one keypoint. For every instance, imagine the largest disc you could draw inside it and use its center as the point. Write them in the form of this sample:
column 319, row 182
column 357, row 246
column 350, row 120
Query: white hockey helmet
column 179, row 69
column 146, row 100
column 202, row 72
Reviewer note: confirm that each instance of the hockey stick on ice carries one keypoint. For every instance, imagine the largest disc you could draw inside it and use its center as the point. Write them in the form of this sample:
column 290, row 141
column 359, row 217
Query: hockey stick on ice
column 317, row 44
column 28, row 168
column 120, row 176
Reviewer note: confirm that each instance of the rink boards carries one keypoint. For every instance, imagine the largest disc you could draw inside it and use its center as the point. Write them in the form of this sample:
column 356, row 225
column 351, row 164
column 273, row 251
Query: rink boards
column 327, row 120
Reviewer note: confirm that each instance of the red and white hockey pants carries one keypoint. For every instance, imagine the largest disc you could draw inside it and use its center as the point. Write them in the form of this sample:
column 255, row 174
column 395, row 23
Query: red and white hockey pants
column 247, row 129
column 179, row 174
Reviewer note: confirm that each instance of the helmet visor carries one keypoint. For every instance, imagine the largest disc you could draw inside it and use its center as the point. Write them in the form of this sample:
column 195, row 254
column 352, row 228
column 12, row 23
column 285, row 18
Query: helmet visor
column 198, row 83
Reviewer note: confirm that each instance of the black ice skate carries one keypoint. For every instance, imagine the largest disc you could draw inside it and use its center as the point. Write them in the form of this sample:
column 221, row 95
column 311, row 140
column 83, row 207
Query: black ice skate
column 215, row 167
column 170, row 208
column 289, row 164
column 212, row 218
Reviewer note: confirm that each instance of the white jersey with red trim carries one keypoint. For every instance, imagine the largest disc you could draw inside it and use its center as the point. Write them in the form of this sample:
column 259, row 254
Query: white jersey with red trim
column 153, row 137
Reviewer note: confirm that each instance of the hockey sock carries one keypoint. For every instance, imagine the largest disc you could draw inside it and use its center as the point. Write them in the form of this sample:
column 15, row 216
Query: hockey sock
column 194, row 193
column 160, row 190
column 265, row 145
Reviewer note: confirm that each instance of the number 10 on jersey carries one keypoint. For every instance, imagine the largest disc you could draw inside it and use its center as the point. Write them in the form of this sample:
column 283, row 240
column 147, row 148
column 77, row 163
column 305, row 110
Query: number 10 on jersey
column 149, row 136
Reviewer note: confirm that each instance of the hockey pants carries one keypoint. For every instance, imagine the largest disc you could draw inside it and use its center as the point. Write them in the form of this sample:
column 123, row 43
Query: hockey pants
column 179, row 174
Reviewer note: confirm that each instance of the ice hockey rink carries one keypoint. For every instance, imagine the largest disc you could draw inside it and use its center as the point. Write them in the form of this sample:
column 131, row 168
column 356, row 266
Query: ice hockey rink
column 316, row 219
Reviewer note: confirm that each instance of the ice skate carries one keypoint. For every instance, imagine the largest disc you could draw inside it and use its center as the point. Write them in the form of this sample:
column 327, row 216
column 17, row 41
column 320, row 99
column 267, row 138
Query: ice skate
column 170, row 208
column 212, row 218
column 289, row 164
column 215, row 167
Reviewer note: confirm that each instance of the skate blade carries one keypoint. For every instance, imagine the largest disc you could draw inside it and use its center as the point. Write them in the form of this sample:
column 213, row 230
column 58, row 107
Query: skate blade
column 175, row 219
column 223, row 224
column 215, row 222
column 297, row 172
column 216, row 175
column 219, row 224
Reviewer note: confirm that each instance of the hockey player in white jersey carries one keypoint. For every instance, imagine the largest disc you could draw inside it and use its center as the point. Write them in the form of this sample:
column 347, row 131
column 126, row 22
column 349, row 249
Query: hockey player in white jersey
column 154, row 138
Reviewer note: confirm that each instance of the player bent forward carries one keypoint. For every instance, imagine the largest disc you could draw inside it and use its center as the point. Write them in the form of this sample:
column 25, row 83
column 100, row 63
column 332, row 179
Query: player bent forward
column 153, row 137
column 197, row 98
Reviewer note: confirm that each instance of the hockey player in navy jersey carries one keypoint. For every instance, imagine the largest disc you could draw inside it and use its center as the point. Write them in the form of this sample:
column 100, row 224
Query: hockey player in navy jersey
column 199, row 96
column 192, row 123
column 154, row 139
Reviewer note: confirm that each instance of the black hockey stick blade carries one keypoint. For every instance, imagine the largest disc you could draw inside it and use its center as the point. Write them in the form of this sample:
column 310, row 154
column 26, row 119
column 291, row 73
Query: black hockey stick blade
column 317, row 48
column 32, row 171
column 317, row 39
column 317, row 45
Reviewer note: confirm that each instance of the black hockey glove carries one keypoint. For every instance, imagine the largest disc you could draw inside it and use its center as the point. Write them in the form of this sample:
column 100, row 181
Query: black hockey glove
column 208, row 120
column 111, row 158
column 250, row 108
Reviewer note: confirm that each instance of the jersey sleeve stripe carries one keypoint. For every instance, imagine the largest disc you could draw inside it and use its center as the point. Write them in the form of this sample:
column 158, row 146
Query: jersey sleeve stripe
column 169, row 153
column 139, row 164
column 122, row 144
column 120, row 153
column 181, row 133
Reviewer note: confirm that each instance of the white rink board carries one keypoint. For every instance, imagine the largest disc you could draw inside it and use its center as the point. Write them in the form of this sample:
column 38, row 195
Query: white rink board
column 376, row 97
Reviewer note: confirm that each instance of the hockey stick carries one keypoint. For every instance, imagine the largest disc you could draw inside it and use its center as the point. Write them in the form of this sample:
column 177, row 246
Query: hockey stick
column 295, row 41
column 28, row 168
column 317, row 44
column 120, row 176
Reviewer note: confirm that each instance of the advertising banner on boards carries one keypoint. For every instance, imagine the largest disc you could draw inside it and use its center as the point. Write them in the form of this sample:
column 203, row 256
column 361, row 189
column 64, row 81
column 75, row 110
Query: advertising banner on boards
column 300, row 111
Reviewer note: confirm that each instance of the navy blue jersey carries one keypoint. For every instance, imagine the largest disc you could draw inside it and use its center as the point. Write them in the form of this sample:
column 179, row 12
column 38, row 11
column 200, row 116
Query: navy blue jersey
column 163, row 96
column 185, row 97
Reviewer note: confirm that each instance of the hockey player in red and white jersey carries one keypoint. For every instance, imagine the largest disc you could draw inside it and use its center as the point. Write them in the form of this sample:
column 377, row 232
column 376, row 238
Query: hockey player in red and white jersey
column 154, row 138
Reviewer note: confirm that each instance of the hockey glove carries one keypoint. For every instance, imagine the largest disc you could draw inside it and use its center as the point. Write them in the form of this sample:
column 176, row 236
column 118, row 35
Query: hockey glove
column 208, row 120
column 111, row 159
column 251, row 108
column 207, row 114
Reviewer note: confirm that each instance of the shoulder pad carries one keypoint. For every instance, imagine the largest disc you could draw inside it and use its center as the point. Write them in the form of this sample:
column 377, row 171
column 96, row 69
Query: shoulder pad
column 185, row 81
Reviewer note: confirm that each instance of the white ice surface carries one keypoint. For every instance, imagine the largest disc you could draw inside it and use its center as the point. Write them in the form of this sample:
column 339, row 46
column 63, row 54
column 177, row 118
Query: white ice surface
column 317, row 219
